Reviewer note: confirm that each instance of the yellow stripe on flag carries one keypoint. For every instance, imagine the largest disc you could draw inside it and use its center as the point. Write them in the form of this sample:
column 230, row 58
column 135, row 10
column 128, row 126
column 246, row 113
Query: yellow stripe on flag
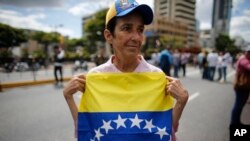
column 125, row 92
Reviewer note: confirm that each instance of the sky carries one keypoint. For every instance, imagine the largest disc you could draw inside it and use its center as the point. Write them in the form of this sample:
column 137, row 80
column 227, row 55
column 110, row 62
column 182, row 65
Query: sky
column 64, row 16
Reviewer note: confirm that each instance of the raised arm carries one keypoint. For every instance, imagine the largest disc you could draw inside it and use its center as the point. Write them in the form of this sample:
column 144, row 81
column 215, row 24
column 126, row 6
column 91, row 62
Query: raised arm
column 176, row 89
column 77, row 83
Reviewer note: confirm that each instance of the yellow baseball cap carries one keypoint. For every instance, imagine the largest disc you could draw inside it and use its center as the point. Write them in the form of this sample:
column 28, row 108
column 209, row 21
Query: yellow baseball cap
column 123, row 7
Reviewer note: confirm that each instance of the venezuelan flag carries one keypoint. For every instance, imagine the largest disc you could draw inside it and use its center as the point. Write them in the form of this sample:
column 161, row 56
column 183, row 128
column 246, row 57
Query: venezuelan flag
column 125, row 107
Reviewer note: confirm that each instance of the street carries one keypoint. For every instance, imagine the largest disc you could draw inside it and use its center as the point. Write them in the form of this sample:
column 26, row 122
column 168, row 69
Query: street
column 40, row 113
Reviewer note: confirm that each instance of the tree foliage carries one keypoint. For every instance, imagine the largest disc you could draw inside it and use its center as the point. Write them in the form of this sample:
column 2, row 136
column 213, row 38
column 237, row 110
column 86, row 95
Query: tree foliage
column 10, row 36
column 46, row 38
column 73, row 43
column 171, row 42
column 225, row 43
column 94, row 28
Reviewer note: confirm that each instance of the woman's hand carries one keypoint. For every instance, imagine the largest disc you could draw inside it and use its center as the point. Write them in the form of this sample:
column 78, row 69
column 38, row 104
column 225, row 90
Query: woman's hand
column 176, row 89
column 77, row 83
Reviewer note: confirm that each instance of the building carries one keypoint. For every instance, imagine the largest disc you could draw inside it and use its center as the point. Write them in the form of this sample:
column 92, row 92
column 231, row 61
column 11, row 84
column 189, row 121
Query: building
column 172, row 30
column 221, row 17
column 182, row 11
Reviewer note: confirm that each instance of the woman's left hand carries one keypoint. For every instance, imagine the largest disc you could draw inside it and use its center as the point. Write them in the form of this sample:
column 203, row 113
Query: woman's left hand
column 176, row 89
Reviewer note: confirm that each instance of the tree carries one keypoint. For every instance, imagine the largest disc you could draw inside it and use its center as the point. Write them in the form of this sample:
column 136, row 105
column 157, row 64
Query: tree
column 71, row 48
column 94, row 28
column 225, row 43
column 171, row 42
column 10, row 36
column 73, row 43
column 46, row 39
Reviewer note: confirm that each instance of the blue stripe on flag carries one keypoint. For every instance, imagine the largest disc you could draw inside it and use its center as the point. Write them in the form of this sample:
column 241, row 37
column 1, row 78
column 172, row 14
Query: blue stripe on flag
column 125, row 126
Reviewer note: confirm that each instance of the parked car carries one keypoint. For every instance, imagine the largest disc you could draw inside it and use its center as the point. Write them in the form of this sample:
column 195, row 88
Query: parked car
column 9, row 67
column 21, row 66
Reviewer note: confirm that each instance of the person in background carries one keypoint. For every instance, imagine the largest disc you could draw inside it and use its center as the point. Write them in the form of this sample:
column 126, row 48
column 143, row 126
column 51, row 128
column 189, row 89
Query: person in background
column 155, row 57
column 200, row 57
column 184, row 61
column 212, row 59
column 58, row 65
column 176, row 62
column 124, row 33
column 205, row 73
column 241, row 86
column 166, row 61
column 219, row 66
column 226, row 61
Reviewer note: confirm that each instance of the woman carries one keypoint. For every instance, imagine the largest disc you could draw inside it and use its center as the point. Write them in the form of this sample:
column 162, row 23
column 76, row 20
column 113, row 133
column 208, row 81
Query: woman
column 241, row 86
column 124, row 33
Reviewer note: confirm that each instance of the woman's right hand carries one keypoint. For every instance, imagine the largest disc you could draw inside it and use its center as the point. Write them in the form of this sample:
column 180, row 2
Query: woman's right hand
column 77, row 83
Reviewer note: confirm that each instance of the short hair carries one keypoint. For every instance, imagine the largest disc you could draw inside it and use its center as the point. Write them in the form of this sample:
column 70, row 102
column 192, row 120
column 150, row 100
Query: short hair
column 111, row 25
column 56, row 47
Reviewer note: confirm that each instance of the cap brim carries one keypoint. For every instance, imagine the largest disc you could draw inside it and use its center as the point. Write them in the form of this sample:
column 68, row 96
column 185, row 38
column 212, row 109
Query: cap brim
column 145, row 10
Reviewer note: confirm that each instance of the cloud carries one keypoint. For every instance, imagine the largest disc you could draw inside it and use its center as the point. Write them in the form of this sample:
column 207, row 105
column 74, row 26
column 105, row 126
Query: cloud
column 148, row 2
column 89, row 7
column 31, row 21
column 34, row 3
column 18, row 20
column 204, row 13
column 236, row 5
column 240, row 25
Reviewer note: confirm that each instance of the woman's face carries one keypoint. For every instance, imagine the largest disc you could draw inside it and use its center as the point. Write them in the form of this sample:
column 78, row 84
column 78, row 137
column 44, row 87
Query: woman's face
column 128, row 36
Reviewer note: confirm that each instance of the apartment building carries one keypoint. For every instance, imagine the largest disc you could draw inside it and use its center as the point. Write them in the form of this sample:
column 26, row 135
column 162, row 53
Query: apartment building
column 179, row 11
column 172, row 30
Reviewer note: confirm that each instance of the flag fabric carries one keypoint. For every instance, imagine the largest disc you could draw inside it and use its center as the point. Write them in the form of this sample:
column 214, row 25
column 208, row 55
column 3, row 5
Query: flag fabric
column 125, row 107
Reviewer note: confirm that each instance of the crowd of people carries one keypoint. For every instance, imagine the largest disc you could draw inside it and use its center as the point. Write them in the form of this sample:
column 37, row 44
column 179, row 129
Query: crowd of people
column 208, row 62
column 169, row 58
column 213, row 62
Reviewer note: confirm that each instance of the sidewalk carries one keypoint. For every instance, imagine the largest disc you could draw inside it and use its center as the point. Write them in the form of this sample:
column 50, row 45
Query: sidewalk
column 42, row 76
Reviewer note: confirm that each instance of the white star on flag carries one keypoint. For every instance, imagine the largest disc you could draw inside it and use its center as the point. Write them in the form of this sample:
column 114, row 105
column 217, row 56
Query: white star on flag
column 162, row 132
column 120, row 122
column 149, row 125
column 106, row 126
column 98, row 134
column 92, row 140
column 136, row 121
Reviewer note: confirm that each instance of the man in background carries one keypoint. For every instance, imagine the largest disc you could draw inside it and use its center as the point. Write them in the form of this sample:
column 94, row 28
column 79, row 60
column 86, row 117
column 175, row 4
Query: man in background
column 58, row 64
